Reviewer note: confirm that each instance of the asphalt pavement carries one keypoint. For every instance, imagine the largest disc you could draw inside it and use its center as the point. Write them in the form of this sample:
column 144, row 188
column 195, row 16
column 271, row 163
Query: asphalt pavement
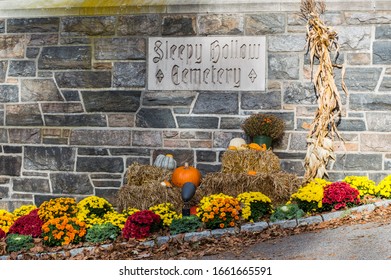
column 369, row 241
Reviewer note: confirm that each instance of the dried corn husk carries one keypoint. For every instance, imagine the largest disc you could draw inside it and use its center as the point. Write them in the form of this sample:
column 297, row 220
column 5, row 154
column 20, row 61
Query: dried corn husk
column 321, row 41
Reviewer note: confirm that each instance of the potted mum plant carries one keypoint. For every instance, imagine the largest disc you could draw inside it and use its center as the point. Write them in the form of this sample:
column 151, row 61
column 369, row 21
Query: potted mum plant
column 263, row 128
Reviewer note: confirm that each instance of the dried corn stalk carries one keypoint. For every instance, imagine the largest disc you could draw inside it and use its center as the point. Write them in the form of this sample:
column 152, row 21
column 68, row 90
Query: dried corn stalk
column 321, row 41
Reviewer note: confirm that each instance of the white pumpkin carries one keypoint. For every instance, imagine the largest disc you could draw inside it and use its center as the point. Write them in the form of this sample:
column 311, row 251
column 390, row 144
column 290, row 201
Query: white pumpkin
column 165, row 161
column 237, row 142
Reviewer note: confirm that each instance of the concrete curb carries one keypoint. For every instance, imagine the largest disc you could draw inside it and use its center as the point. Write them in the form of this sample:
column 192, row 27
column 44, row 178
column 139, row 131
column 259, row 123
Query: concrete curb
column 249, row 227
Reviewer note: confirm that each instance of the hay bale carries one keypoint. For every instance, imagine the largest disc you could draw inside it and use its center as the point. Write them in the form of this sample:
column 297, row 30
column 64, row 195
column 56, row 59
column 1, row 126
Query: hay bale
column 243, row 161
column 147, row 195
column 140, row 174
column 278, row 186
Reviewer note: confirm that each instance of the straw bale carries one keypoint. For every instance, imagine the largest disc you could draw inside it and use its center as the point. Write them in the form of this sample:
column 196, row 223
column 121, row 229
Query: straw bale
column 277, row 186
column 236, row 162
column 140, row 174
column 153, row 193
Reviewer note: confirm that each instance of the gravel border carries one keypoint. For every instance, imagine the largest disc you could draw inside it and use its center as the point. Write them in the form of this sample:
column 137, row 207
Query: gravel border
column 248, row 227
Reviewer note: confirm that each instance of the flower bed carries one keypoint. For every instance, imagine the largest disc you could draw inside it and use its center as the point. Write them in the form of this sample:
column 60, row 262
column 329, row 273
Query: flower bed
column 62, row 221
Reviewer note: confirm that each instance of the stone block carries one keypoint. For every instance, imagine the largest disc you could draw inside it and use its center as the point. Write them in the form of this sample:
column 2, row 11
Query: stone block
column 221, row 138
column 357, row 162
column 83, row 120
column 206, row 156
column 363, row 208
column 120, row 48
column 179, row 25
column 2, row 26
column 107, row 184
column 265, row 23
column 121, row 120
column 285, row 223
column 230, row 123
column 333, row 215
column 129, row 74
column 91, row 137
column 65, row 57
column 88, row 26
column 12, row 46
column 71, row 95
column 75, row 40
column 147, row 138
column 23, row 115
column 22, row 68
column 111, row 101
column 221, row 24
column 12, row 149
column 208, row 168
column 93, row 151
column 195, row 135
column 385, row 84
column 198, row 122
column 286, row 43
column 71, row 183
column 383, row 32
column 367, row 17
column 38, row 40
column 9, row 93
column 283, row 67
column 39, row 90
column 298, row 142
column 10, row 165
column 100, row 164
column 49, row 158
column 155, row 118
column 217, row 233
column 170, row 98
column 375, row 142
column 110, row 194
column 309, row 221
column 299, row 93
column 293, row 166
column 34, row 185
column 270, row 100
column 369, row 102
column 3, row 70
column 210, row 103
column 83, row 79
column 32, row 52
column 347, row 124
column 148, row 24
column 380, row 53
column 354, row 38
column 24, row 135
column 359, row 58
column 71, row 107
column 254, row 227
column 33, row 25
column 379, row 121
column 360, row 79
column 290, row 155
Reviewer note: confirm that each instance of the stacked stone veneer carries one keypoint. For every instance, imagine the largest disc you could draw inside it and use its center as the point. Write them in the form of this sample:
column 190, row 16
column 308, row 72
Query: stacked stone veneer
column 75, row 110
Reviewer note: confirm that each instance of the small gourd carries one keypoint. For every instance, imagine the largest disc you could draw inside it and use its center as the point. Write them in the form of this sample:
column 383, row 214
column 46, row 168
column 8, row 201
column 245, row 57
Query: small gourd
column 185, row 174
column 165, row 161
column 255, row 146
column 237, row 142
column 252, row 172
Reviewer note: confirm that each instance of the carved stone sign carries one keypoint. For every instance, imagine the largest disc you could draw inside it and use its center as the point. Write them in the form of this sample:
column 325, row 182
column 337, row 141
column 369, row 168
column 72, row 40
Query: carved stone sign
column 206, row 63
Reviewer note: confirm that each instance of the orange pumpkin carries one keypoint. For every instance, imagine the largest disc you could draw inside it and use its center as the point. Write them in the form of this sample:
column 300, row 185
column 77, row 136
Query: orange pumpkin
column 255, row 146
column 184, row 174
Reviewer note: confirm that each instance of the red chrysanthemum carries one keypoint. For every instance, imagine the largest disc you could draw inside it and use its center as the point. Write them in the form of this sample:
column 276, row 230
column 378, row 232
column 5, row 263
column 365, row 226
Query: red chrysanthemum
column 28, row 225
column 141, row 224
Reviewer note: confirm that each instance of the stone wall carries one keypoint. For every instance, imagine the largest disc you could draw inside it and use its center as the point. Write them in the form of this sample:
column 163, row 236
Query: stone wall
column 75, row 111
